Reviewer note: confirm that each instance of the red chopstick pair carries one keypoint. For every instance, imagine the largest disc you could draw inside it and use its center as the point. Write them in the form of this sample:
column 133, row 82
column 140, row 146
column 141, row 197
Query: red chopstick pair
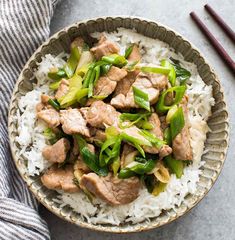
column 218, row 47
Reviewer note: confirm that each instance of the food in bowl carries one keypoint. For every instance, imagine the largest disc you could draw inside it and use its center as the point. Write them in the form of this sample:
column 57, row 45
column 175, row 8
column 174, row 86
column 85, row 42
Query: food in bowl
column 117, row 128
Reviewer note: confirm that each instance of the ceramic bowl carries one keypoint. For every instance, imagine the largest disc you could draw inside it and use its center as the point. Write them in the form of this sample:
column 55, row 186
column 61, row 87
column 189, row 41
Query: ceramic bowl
column 217, row 140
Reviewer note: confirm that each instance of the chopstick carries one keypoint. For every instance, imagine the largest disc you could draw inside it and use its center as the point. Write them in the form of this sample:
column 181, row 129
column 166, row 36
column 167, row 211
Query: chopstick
column 221, row 22
column 218, row 47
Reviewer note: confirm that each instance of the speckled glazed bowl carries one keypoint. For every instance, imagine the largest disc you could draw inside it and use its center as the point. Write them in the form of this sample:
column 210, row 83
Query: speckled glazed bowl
column 216, row 143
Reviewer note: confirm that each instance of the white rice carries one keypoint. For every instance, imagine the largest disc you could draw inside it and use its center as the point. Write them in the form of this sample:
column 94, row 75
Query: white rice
column 145, row 206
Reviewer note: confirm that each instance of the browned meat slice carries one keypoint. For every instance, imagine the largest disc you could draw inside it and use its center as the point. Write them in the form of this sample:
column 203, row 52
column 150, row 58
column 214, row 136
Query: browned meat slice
column 50, row 116
column 128, row 155
column 57, row 152
column 104, row 48
column 124, row 85
column 111, row 189
column 116, row 74
column 164, row 124
column 63, row 89
column 107, row 84
column 154, row 120
column 100, row 114
column 104, row 87
column 135, row 54
column 44, row 103
column 165, row 150
column 45, row 98
column 96, row 135
column 182, row 149
column 73, row 122
column 59, row 178
column 151, row 84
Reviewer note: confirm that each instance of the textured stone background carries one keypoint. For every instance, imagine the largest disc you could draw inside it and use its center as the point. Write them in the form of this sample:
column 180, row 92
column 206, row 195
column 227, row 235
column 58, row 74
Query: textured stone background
column 214, row 217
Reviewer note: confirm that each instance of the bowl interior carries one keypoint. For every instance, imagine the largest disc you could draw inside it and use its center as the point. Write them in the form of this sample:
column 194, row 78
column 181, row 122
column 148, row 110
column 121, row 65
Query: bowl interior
column 215, row 146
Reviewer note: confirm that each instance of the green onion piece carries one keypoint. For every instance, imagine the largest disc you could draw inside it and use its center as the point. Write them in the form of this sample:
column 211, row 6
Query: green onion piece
column 87, row 77
column 144, row 125
column 159, row 70
column 81, row 94
column 55, row 85
column 54, row 104
column 126, row 173
column 91, row 161
column 85, row 47
column 140, row 149
column 135, row 118
column 72, row 62
column 99, row 97
column 128, row 51
column 83, row 70
column 57, row 74
column 135, row 140
column 158, row 188
column 172, row 74
column 152, row 138
column 50, row 135
column 177, row 122
column 91, row 83
column 93, row 80
column 97, row 74
column 115, row 59
column 181, row 73
column 170, row 113
column 131, row 65
column 167, row 136
column 149, row 181
column 138, row 168
column 113, row 144
column 141, row 98
column 75, row 84
column 116, row 165
column 105, row 68
column 111, row 132
column 179, row 93
column 89, row 158
column 175, row 166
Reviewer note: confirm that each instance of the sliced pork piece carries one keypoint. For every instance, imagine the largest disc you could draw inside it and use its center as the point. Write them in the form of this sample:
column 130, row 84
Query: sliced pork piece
column 104, row 48
column 50, row 116
column 164, row 124
column 116, row 74
column 57, row 152
column 44, row 103
column 96, row 135
column 59, row 178
column 155, row 121
column 182, row 149
column 107, row 84
column 73, row 122
column 104, row 87
column 63, row 89
column 151, row 84
column 124, row 85
column 100, row 114
column 135, row 54
column 111, row 189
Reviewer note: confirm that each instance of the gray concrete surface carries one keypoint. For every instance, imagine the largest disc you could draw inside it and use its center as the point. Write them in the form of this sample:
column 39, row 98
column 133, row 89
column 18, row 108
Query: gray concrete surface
column 214, row 217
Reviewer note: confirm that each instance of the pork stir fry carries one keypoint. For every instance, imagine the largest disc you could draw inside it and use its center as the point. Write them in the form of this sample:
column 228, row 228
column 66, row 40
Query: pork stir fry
column 115, row 125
